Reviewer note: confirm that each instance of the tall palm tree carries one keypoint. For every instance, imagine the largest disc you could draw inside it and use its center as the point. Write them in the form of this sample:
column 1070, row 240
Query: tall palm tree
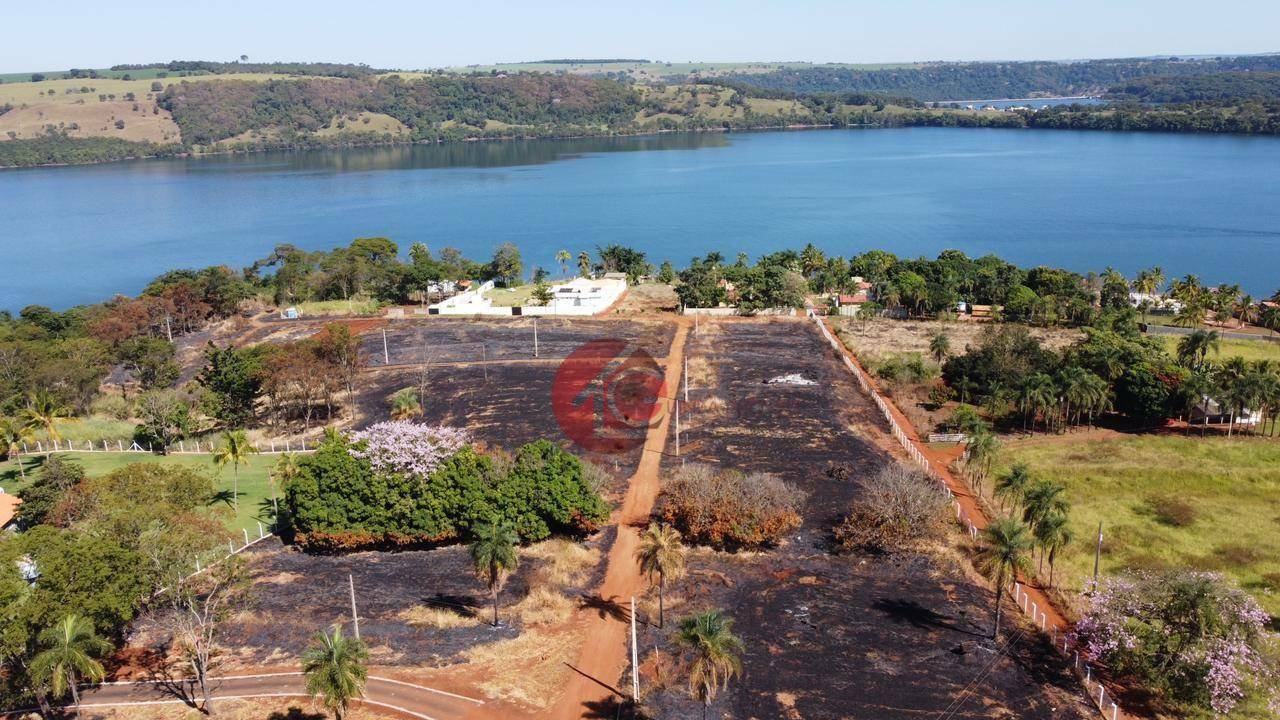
column 1038, row 394
column 494, row 556
column 709, row 636
column 1005, row 553
column 287, row 468
column 1052, row 534
column 11, row 436
column 1193, row 349
column 1269, row 318
column 68, row 657
column 584, row 264
column 235, row 451
column 334, row 666
column 1235, row 388
column 981, row 451
column 940, row 346
column 563, row 257
column 1014, row 484
column 661, row 555
column 43, row 411
column 1042, row 499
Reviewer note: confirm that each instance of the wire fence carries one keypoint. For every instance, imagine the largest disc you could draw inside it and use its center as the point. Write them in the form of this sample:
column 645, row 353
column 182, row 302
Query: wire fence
column 1059, row 636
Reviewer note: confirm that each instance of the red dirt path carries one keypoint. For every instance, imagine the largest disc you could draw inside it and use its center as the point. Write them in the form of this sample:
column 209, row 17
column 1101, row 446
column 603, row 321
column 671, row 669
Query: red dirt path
column 603, row 657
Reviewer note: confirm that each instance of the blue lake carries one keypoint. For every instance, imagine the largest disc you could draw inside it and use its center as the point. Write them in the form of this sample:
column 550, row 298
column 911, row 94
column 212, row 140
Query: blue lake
column 1208, row 205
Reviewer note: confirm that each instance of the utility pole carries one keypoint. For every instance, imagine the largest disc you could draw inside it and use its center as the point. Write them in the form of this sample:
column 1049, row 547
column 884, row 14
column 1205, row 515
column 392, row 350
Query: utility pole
column 535, row 337
column 355, row 619
column 1097, row 555
column 484, row 361
column 635, row 664
column 386, row 356
column 168, row 328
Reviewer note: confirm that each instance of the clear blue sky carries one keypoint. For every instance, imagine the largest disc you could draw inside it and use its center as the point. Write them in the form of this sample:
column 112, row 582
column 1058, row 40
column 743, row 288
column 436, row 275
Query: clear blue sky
column 411, row 34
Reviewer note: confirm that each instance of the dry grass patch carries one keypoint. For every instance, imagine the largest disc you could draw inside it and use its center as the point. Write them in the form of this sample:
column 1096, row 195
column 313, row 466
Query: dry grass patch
column 437, row 618
column 543, row 606
column 562, row 563
column 530, row 669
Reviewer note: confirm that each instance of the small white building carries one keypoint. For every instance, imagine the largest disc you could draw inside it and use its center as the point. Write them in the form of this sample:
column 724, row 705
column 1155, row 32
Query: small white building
column 1154, row 301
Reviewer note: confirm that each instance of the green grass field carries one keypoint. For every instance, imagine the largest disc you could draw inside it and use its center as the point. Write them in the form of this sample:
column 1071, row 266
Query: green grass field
column 254, row 489
column 1168, row 502
column 69, row 91
column 1247, row 349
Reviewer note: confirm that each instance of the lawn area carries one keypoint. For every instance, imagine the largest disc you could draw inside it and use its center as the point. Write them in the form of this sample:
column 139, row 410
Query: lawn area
column 1247, row 349
column 255, row 491
column 510, row 297
column 1166, row 502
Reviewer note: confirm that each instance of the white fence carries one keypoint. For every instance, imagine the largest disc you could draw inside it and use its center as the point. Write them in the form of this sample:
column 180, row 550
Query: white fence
column 182, row 447
column 1058, row 636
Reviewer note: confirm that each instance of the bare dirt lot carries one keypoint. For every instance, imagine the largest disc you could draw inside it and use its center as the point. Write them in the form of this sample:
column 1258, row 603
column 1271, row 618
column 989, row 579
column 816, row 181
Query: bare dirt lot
column 834, row 636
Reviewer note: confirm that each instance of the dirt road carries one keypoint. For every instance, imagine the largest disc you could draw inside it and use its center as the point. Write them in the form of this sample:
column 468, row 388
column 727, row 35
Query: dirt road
column 603, row 657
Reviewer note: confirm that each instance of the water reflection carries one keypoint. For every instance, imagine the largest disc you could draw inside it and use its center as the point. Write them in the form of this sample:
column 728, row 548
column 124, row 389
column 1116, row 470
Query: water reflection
column 479, row 154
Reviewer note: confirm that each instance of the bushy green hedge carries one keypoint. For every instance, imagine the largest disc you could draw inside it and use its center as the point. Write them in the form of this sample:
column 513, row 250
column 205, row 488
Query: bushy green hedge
column 339, row 502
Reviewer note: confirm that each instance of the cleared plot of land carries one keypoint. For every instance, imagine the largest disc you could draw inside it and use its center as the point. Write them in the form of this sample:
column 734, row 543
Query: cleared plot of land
column 1168, row 502
column 141, row 121
column 1247, row 349
column 68, row 92
column 481, row 375
column 364, row 122
column 878, row 338
column 836, row 636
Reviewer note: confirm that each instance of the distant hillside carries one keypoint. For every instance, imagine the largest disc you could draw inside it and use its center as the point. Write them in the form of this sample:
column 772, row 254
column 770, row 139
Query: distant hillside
column 345, row 70
column 1220, row 87
column 990, row 80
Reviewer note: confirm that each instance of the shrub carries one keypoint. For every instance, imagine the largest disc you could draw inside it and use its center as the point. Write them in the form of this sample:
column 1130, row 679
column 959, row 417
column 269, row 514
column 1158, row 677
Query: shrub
column 898, row 508
column 341, row 501
column 1190, row 635
column 728, row 509
column 112, row 406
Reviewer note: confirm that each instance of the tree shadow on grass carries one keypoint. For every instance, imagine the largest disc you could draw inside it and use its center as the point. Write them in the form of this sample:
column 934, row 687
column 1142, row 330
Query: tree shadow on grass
column 610, row 709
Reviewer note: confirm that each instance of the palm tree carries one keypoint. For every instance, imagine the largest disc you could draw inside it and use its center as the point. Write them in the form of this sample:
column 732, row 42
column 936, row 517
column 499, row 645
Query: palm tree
column 43, row 412
column 405, row 405
column 1038, row 394
column 1043, row 499
column 494, row 556
column 563, row 257
column 1269, row 318
column 981, row 450
column 709, row 636
column 584, row 264
column 1004, row 554
column 1194, row 349
column 235, row 451
column 940, row 346
column 68, row 656
column 661, row 554
column 1235, row 388
column 11, row 436
column 287, row 468
column 1014, row 484
column 1192, row 314
column 1052, row 534
column 335, row 668
column 1149, row 282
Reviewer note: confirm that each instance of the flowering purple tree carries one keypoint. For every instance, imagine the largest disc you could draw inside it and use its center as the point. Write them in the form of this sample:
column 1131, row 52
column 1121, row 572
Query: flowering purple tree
column 1191, row 635
column 408, row 448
